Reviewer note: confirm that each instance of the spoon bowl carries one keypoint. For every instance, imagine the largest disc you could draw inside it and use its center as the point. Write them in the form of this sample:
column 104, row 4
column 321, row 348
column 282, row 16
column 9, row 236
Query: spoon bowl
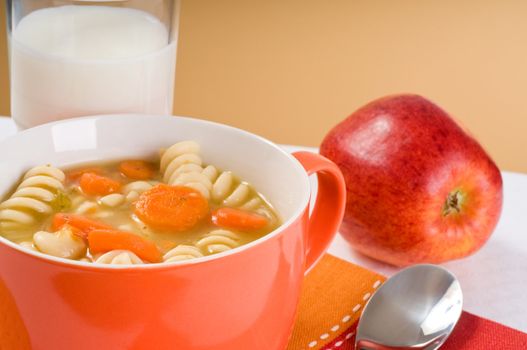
column 415, row 309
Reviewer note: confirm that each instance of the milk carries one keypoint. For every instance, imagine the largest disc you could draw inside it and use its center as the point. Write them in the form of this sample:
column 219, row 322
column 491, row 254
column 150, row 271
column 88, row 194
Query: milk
column 82, row 60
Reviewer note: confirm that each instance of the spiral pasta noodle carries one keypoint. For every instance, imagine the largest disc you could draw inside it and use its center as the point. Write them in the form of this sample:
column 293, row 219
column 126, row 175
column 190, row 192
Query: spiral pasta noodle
column 181, row 164
column 119, row 257
column 112, row 200
column 85, row 207
column 32, row 198
column 225, row 191
column 133, row 190
column 182, row 252
column 218, row 241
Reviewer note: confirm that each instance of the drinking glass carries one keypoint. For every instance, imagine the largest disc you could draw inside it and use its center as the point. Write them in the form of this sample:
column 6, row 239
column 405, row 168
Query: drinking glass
column 86, row 57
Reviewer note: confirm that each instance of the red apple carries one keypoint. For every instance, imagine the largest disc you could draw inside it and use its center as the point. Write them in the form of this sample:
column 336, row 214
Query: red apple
column 420, row 189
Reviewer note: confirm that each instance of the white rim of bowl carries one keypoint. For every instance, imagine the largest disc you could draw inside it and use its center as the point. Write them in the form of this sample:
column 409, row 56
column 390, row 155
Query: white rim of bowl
column 164, row 265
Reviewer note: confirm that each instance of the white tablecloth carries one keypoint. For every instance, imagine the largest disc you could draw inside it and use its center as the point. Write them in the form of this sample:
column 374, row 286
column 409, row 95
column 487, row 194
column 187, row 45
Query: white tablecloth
column 494, row 280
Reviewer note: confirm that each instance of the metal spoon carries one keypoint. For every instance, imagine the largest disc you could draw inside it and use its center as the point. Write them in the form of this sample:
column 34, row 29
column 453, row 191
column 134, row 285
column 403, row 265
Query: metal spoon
column 415, row 309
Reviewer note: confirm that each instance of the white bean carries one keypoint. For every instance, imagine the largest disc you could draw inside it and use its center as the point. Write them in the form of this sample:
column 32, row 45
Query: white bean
column 63, row 244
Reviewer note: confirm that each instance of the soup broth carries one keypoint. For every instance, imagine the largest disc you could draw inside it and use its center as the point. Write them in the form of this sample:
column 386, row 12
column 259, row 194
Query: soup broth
column 136, row 211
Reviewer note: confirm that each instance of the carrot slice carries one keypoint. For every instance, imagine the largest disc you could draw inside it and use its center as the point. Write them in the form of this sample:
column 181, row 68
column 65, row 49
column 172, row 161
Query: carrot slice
column 97, row 185
column 82, row 224
column 137, row 169
column 238, row 219
column 74, row 175
column 101, row 241
column 171, row 208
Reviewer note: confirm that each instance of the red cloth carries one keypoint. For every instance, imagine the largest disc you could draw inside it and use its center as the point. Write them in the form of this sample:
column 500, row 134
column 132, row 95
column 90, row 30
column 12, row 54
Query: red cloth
column 471, row 333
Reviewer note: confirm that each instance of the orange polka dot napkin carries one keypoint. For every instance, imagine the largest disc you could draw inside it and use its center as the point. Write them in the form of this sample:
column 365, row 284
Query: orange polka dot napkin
column 334, row 294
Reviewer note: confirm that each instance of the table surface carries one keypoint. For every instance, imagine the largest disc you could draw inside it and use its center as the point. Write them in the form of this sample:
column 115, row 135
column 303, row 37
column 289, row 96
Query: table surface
column 494, row 279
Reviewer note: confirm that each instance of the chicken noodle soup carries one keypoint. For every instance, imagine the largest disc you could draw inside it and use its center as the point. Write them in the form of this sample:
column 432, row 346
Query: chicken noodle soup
column 136, row 211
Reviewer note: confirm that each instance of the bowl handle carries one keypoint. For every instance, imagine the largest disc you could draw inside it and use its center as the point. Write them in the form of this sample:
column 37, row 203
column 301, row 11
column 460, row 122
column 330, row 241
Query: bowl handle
column 330, row 203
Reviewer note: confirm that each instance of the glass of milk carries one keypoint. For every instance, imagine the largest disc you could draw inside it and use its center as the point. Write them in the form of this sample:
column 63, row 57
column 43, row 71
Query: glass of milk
column 77, row 58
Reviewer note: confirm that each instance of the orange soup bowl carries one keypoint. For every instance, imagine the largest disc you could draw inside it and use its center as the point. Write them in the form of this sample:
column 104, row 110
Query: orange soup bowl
column 245, row 298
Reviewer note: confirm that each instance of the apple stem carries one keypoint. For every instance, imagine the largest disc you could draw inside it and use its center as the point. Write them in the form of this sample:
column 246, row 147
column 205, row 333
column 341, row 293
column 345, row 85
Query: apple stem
column 453, row 203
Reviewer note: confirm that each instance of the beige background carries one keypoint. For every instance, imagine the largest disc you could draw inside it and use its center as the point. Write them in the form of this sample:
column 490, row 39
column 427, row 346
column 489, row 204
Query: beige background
column 290, row 69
